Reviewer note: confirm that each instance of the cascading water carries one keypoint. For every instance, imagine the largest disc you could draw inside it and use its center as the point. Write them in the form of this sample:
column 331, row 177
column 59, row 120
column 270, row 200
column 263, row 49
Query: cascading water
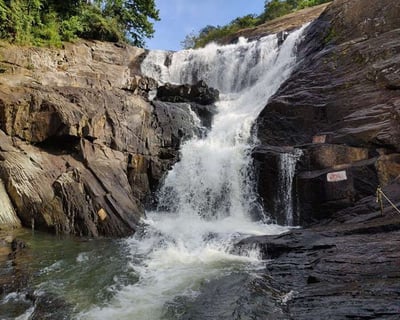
column 207, row 196
column 287, row 169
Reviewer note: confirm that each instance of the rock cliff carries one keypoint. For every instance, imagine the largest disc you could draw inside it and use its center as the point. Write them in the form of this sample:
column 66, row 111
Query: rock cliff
column 337, row 119
column 341, row 108
column 81, row 146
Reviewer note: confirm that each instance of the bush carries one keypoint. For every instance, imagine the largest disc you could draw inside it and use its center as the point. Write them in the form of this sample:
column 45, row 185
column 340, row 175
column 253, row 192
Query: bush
column 96, row 26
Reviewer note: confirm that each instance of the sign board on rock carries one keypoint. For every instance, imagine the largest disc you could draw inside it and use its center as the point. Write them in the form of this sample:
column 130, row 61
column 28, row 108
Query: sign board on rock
column 319, row 139
column 336, row 176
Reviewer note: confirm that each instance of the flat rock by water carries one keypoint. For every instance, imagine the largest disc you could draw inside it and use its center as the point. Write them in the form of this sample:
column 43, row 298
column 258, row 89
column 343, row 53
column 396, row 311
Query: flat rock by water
column 347, row 267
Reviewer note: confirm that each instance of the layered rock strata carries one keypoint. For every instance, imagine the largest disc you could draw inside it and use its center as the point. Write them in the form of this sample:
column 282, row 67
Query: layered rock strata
column 341, row 107
column 347, row 267
column 81, row 146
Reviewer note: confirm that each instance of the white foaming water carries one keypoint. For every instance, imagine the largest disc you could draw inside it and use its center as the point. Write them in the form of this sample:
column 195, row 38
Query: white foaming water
column 287, row 169
column 207, row 198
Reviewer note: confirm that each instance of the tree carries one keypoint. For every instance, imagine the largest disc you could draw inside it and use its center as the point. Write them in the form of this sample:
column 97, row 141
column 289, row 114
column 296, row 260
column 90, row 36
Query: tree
column 131, row 16
column 50, row 21
column 190, row 41
column 275, row 8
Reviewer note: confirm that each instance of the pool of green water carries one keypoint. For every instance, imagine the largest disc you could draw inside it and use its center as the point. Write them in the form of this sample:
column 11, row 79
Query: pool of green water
column 80, row 273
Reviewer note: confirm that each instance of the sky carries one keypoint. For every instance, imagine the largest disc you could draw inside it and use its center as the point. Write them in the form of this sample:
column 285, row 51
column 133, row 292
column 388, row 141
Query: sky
column 181, row 17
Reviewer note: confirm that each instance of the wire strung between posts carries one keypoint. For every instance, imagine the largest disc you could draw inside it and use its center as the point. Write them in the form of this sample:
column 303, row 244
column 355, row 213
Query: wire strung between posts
column 379, row 194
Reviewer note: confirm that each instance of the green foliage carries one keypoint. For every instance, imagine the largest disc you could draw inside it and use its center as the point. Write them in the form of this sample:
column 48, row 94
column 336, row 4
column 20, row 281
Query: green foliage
column 4, row 17
column 96, row 26
column 132, row 17
column 212, row 33
column 49, row 22
column 277, row 8
column 272, row 9
column 71, row 28
column 310, row 3
column 46, row 32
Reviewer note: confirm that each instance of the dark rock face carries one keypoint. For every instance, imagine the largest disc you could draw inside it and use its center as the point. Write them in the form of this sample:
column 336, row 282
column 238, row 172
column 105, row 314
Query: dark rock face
column 344, row 268
column 199, row 93
column 340, row 106
column 81, row 153
column 200, row 96
column 231, row 297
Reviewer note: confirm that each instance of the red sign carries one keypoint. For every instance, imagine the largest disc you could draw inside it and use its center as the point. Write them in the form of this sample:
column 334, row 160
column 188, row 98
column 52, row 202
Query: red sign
column 319, row 139
column 336, row 176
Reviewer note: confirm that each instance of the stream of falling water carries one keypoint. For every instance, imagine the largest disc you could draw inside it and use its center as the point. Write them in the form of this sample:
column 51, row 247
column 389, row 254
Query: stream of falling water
column 207, row 193
column 284, row 201
column 207, row 199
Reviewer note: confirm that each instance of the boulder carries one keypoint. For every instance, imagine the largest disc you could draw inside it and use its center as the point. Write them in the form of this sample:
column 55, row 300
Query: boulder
column 200, row 97
column 322, row 192
column 199, row 93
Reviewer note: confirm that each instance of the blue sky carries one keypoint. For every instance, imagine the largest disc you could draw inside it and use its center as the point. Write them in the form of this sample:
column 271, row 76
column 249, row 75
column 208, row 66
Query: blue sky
column 180, row 17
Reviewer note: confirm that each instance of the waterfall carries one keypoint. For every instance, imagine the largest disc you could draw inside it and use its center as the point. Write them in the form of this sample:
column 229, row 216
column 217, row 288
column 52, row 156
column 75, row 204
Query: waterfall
column 287, row 169
column 207, row 196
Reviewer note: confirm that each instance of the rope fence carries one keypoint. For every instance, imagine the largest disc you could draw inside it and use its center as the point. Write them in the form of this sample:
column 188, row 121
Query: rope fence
column 379, row 195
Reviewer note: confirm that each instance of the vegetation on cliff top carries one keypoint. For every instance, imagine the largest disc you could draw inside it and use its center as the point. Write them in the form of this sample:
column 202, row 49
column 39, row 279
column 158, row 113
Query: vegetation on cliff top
column 272, row 9
column 49, row 22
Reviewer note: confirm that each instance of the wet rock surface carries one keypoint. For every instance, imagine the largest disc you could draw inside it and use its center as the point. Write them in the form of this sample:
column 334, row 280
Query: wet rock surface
column 346, row 267
column 50, row 307
column 200, row 97
column 340, row 107
column 232, row 297
column 199, row 93
column 13, row 277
